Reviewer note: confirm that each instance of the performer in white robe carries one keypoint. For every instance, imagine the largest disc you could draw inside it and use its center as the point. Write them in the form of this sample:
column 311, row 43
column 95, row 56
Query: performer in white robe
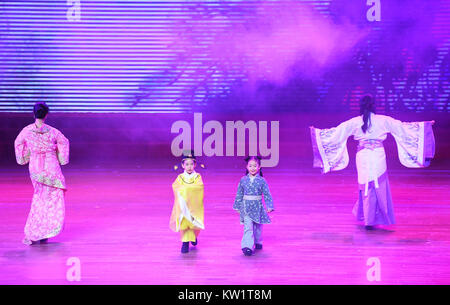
column 415, row 144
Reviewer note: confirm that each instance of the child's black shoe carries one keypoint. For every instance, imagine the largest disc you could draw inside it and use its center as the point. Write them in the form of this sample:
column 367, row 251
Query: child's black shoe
column 194, row 243
column 185, row 247
column 43, row 241
column 258, row 246
column 370, row 228
column 247, row 251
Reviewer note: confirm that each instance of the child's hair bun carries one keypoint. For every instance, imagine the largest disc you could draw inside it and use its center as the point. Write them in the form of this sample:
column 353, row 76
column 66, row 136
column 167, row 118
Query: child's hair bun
column 252, row 158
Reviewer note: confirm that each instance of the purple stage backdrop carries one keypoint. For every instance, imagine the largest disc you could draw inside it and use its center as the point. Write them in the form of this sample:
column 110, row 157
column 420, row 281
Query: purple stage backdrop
column 183, row 56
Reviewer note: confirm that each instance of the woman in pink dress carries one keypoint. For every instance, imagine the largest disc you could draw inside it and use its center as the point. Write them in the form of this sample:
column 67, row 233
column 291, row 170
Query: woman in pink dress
column 44, row 148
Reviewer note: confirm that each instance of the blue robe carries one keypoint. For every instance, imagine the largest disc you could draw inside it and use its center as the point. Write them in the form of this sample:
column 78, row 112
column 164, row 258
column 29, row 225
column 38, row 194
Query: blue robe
column 253, row 208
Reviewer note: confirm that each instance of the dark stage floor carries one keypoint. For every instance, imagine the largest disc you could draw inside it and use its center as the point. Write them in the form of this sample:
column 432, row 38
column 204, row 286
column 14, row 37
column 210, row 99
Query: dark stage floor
column 117, row 226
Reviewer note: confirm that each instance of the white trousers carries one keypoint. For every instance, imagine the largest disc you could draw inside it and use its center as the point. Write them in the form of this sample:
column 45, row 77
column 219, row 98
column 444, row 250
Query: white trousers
column 252, row 233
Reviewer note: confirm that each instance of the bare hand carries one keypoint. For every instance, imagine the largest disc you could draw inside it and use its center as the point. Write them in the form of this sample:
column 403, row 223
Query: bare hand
column 432, row 122
column 270, row 210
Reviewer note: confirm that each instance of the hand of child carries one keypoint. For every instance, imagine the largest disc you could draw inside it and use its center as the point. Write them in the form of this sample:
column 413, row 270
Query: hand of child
column 270, row 210
column 432, row 122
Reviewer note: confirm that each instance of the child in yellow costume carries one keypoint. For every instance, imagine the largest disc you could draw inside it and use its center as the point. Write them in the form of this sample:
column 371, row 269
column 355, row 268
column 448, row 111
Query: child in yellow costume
column 188, row 212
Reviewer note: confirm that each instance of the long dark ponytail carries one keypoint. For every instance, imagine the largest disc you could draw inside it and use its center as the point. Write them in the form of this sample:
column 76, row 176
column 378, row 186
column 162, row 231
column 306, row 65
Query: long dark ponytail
column 257, row 159
column 366, row 106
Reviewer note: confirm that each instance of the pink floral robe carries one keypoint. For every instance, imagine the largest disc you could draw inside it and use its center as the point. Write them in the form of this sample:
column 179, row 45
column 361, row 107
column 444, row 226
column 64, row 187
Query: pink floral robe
column 44, row 149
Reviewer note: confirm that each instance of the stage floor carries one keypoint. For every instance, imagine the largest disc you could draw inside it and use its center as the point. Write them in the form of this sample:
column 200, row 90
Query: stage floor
column 117, row 226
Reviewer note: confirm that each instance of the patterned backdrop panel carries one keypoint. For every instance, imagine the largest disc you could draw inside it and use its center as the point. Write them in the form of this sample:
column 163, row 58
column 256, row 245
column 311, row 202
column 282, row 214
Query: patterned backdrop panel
column 180, row 56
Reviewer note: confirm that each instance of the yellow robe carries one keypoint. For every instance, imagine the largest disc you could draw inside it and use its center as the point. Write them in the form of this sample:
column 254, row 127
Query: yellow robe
column 188, row 211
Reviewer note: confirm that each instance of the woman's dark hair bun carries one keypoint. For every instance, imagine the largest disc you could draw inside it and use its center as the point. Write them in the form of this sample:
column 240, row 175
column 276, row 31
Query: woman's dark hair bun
column 40, row 110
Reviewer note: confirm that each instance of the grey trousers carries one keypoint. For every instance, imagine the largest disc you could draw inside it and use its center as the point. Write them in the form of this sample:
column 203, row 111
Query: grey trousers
column 252, row 233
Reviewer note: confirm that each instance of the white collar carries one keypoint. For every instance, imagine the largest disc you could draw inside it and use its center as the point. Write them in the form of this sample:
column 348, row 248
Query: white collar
column 188, row 176
column 252, row 177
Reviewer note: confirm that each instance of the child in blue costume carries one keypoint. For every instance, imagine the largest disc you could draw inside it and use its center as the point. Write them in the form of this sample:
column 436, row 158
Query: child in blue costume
column 250, row 206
